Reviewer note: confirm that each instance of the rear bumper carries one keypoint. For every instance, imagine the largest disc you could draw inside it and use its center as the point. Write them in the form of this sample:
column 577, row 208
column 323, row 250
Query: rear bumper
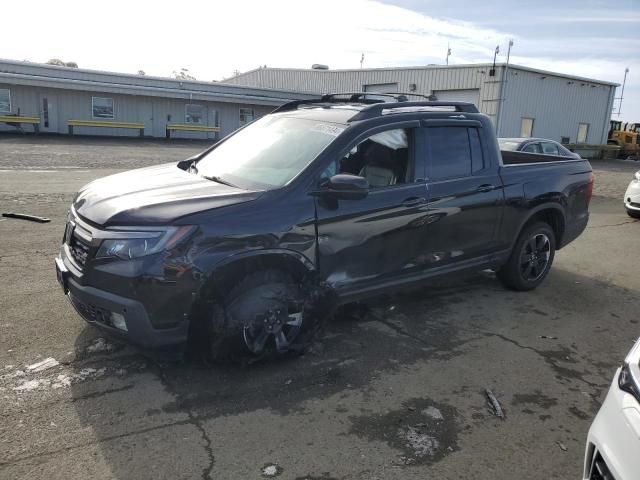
column 95, row 306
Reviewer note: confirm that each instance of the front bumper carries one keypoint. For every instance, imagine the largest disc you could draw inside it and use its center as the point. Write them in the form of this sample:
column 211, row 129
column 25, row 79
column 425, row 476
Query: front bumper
column 615, row 435
column 632, row 196
column 96, row 306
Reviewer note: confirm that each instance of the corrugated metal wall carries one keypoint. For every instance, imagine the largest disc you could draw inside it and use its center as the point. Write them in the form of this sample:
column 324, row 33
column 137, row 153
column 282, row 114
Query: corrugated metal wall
column 154, row 112
column 426, row 81
column 557, row 105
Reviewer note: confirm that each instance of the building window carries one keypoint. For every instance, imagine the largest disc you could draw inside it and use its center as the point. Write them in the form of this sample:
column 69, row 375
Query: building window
column 583, row 131
column 526, row 127
column 193, row 113
column 565, row 140
column 102, row 107
column 5, row 100
column 246, row 116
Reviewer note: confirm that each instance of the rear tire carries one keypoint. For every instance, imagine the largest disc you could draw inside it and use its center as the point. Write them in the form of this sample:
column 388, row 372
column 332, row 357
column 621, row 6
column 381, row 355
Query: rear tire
column 530, row 259
column 633, row 213
column 266, row 315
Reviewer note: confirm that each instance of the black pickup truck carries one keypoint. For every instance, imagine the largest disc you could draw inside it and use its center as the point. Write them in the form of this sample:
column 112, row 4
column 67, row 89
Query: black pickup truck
column 249, row 245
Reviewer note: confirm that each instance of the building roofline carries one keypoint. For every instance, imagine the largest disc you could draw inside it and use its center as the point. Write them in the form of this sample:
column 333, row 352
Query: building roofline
column 434, row 67
column 67, row 73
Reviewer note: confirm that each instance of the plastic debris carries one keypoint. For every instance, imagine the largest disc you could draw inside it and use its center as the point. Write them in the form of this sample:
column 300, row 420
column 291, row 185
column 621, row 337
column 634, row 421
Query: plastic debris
column 494, row 404
column 562, row 446
column 43, row 365
column 24, row 216
column 548, row 337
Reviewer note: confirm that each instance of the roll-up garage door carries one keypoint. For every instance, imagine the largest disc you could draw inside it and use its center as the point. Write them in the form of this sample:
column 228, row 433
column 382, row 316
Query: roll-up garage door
column 471, row 96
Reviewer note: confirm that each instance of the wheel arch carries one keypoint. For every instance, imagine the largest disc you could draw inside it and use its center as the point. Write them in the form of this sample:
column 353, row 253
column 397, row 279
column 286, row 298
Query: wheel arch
column 551, row 213
column 229, row 271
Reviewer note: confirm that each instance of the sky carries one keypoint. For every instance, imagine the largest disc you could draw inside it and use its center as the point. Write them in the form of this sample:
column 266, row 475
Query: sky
column 591, row 38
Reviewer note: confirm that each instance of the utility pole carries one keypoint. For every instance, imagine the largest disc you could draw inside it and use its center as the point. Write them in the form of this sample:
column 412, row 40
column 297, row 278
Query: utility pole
column 448, row 53
column 626, row 70
column 503, row 87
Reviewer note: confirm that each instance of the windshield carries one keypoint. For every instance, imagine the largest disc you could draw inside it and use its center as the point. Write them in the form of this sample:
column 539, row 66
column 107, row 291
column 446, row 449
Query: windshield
column 509, row 145
column 268, row 153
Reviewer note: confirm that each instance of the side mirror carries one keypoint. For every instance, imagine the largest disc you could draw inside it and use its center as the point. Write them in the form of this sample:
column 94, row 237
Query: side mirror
column 344, row 187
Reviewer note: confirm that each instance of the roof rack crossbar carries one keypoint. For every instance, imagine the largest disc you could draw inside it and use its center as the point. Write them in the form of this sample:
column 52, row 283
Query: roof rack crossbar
column 327, row 98
column 376, row 110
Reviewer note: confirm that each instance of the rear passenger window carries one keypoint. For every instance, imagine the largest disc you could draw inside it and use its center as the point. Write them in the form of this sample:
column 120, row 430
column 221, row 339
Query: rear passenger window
column 549, row 148
column 453, row 152
column 532, row 148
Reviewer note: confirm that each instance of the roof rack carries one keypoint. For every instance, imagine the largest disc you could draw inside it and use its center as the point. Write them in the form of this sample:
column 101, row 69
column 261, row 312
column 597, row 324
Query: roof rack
column 376, row 110
column 431, row 98
column 359, row 97
column 376, row 106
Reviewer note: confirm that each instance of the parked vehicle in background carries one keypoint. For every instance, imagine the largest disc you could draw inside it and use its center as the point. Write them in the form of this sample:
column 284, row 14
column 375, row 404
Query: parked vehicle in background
column 535, row 145
column 613, row 442
column 632, row 197
column 627, row 137
column 249, row 245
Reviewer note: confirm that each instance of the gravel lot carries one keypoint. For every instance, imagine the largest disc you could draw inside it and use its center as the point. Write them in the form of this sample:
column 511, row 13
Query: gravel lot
column 395, row 390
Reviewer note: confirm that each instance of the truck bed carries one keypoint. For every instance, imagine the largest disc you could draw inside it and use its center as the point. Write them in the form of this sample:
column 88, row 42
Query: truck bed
column 510, row 157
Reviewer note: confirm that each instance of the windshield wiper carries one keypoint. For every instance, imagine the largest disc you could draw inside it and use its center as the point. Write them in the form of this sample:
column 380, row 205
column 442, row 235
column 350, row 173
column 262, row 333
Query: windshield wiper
column 219, row 180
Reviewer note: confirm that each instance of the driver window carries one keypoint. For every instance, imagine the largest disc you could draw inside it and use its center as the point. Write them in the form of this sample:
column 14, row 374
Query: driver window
column 383, row 159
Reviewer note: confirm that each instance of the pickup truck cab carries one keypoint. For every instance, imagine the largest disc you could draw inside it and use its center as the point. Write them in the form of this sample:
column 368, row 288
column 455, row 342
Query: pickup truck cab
column 249, row 245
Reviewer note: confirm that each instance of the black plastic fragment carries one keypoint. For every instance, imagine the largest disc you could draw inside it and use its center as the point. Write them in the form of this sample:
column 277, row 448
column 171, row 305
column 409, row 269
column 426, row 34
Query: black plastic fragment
column 24, row 216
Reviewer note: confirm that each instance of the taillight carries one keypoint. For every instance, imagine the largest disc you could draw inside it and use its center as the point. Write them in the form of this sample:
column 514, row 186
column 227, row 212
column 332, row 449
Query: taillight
column 592, row 179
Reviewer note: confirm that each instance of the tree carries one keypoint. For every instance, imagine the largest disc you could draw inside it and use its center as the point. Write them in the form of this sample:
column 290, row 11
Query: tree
column 183, row 74
column 57, row 62
column 142, row 72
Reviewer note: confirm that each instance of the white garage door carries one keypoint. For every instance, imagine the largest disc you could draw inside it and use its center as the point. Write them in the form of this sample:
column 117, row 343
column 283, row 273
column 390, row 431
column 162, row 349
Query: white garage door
column 471, row 96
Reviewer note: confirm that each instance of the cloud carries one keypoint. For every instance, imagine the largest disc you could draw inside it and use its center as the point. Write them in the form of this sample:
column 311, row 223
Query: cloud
column 213, row 39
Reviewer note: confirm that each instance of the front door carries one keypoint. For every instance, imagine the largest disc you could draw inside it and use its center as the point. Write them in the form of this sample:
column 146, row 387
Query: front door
column 364, row 242
column 465, row 200
column 48, row 112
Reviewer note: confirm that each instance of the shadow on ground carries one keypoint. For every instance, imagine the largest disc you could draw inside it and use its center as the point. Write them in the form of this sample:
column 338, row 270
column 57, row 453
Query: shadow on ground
column 147, row 412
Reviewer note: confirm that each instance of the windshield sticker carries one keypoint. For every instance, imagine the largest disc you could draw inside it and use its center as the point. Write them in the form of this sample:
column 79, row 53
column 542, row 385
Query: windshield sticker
column 332, row 130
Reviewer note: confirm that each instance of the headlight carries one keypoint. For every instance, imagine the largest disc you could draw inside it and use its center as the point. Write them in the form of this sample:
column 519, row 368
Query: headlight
column 637, row 175
column 129, row 244
column 629, row 379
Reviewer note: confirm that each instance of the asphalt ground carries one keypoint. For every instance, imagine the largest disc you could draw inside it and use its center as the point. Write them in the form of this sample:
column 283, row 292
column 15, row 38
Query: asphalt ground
column 394, row 390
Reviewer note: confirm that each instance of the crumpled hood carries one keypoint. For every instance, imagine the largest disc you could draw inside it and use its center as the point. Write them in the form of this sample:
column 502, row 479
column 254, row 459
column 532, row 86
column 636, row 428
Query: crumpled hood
column 153, row 196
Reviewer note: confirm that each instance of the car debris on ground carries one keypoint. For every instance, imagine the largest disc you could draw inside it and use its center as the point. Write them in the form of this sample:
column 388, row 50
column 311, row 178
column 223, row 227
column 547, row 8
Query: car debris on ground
column 24, row 216
column 494, row 404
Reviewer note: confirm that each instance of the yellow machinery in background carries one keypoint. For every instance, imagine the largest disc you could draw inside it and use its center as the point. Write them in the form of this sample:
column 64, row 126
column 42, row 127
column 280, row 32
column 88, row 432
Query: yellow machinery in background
column 627, row 137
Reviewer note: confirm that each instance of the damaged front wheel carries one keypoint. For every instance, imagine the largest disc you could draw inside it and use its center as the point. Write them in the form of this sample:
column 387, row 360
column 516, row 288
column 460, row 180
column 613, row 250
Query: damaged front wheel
column 267, row 314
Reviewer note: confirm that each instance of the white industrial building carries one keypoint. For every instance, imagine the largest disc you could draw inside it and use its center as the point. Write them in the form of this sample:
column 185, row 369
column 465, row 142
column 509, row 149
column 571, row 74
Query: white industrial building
column 46, row 98
column 523, row 102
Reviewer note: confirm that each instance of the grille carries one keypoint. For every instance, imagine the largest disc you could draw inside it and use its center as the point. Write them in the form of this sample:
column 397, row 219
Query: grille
column 91, row 312
column 635, row 204
column 79, row 250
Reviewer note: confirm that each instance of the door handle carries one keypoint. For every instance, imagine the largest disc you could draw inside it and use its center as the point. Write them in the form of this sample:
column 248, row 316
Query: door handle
column 413, row 202
column 485, row 188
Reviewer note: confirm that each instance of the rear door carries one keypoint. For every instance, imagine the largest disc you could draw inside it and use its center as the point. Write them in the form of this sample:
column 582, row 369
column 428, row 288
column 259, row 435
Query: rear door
column 465, row 192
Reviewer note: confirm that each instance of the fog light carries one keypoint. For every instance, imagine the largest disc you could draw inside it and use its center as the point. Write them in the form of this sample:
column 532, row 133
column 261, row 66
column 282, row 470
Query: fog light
column 118, row 321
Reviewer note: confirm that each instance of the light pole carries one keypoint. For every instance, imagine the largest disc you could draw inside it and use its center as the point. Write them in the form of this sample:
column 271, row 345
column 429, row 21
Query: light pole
column 448, row 53
column 626, row 70
column 503, row 88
